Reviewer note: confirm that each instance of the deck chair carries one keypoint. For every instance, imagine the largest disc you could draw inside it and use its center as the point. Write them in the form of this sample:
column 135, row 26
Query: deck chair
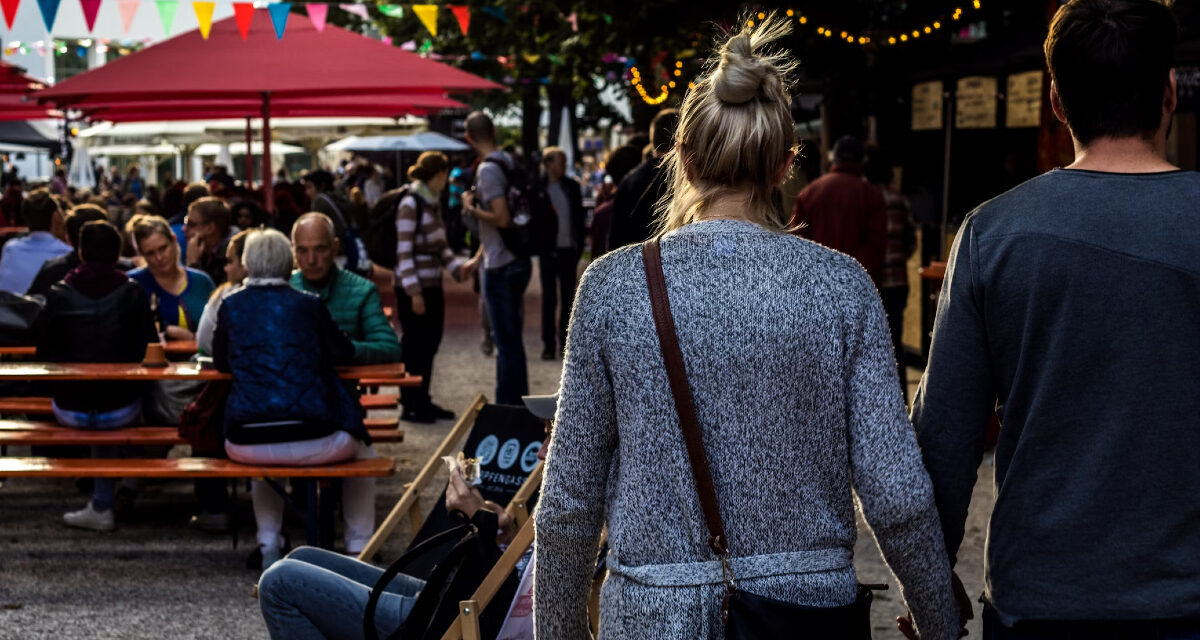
column 506, row 439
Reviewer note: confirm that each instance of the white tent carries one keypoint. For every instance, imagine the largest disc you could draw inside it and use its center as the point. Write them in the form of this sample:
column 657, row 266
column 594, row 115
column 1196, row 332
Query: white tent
column 239, row 148
column 426, row 141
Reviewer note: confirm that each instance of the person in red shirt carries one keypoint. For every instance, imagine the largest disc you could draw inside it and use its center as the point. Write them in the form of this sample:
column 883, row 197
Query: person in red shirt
column 843, row 212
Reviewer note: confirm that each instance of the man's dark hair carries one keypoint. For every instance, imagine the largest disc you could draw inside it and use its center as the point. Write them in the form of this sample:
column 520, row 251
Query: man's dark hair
column 80, row 216
column 211, row 209
column 662, row 130
column 621, row 161
column 39, row 209
column 1110, row 61
column 479, row 126
column 848, row 150
column 99, row 242
column 321, row 179
column 194, row 192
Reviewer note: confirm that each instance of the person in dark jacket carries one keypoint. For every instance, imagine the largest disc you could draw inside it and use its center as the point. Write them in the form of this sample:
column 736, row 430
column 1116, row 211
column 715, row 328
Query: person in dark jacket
column 56, row 269
column 620, row 162
column 286, row 404
column 96, row 314
column 633, row 215
column 558, row 265
column 842, row 211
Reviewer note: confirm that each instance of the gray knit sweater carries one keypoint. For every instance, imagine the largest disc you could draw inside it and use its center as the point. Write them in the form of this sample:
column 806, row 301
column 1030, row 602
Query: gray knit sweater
column 789, row 359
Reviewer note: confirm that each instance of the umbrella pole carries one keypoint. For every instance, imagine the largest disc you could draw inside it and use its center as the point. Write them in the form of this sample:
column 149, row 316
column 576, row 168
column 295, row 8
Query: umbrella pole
column 249, row 155
column 268, row 192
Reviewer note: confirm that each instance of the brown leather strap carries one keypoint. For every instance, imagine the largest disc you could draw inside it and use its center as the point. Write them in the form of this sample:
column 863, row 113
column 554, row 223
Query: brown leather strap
column 684, row 404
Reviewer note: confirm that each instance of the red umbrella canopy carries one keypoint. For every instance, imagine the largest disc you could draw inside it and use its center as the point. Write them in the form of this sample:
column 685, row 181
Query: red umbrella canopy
column 386, row 106
column 305, row 63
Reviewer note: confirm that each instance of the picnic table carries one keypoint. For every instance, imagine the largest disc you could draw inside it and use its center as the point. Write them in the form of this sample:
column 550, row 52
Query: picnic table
column 58, row 371
column 12, row 231
column 175, row 348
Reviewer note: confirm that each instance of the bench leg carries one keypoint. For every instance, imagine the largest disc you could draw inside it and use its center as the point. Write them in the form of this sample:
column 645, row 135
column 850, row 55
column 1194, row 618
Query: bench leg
column 311, row 526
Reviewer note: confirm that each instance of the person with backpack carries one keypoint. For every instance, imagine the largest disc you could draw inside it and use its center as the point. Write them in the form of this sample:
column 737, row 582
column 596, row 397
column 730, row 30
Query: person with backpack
column 347, row 220
column 506, row 265
column 421, row 251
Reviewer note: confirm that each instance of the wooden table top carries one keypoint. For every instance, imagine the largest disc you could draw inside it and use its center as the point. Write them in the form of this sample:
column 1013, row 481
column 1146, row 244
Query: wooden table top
column 935, row 271
column 12, row 231
column 55, row 371
column 185, row 468
column 178, row 348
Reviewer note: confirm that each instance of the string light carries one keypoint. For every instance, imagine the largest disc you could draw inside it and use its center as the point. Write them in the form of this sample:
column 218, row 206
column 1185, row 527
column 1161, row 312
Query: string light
column 863, row 40
column 664, row 90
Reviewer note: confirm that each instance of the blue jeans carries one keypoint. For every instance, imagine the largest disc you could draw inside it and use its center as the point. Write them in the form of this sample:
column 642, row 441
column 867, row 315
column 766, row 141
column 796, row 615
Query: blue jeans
column 504, row 288
column 994, row 629
column 103, row 489
column 317, row 594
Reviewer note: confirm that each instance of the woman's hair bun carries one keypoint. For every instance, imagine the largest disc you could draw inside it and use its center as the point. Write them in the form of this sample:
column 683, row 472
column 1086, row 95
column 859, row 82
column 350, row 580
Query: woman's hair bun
column 744, row 72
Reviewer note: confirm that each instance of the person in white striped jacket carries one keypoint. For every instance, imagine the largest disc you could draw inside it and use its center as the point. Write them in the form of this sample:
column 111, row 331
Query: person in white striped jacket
column 421, row 253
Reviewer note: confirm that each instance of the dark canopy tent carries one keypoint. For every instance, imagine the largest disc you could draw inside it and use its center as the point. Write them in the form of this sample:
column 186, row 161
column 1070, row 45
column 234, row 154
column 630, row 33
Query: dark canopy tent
column 23, row 133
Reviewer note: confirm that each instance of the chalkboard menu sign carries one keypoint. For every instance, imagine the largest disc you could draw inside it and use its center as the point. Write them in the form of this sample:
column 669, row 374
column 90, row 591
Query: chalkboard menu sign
column 1024, row 100
column 927, row 106
column 976, row 108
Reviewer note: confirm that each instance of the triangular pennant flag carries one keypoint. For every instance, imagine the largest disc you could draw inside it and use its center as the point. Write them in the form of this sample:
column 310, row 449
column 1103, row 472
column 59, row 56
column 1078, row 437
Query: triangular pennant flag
column 279, row 15
column 463, row 14
column 495, row 12
column 532, row 58
column 204, row 13
column 90, row 9
column 128, row 11
column 574, row 20
column 49, row 12
column 166, row 13
column 10, row 11
column 428, row 14
column 317, row 14
column 243, row 12
column 391, row 10
column 359, row 10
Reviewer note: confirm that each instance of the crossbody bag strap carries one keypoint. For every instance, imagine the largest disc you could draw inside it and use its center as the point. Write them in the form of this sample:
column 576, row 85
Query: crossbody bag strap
column 685, row 406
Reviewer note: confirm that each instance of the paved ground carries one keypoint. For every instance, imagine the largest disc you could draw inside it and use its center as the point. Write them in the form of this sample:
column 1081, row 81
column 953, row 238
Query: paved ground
column 156, row 578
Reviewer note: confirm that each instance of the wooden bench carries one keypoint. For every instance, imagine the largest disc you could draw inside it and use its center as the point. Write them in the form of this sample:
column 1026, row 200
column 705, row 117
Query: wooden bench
column 49, row 434
column 318, row 514
column 42, row 406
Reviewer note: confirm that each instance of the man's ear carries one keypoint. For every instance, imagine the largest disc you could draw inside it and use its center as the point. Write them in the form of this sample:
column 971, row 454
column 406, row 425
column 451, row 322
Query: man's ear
column 337, row 246
column 1056, row 103
column 1171, row 95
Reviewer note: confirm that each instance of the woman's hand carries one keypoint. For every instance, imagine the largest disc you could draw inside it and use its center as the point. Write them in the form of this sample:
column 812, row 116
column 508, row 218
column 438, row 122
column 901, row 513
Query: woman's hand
column 179, row 333
column 468, row 269
column 418, row 305
column 461, row 496
column 468, row 202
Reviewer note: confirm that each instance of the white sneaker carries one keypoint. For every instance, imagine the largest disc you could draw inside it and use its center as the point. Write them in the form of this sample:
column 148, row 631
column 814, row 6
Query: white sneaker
column 89, row 518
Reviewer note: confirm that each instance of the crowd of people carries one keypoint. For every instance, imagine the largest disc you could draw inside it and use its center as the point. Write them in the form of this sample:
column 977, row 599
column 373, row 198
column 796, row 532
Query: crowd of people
column 769, row 336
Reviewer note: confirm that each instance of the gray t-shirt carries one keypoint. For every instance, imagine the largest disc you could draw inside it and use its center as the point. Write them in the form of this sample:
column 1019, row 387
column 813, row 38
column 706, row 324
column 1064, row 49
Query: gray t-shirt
column 562, row 207
column 490, row 184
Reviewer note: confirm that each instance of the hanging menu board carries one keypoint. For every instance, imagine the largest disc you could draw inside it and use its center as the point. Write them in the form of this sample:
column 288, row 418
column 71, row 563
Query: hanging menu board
column 976, row 108
column 1024, row 104
column 927, row 106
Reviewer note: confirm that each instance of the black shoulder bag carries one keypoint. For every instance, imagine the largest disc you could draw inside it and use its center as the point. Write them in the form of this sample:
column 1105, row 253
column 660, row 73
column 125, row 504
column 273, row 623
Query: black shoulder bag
column 746, row 616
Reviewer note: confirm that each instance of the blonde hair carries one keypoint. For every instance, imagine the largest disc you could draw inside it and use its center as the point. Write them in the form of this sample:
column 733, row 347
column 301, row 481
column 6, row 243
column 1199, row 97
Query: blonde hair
column 735, row 131
column 143, row 226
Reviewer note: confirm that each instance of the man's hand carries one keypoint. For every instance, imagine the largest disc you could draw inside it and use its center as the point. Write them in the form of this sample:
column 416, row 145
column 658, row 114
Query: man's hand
column 965, row 612
column 468, row 269
column 468, row 202
column 195, row 250
column 418, row 305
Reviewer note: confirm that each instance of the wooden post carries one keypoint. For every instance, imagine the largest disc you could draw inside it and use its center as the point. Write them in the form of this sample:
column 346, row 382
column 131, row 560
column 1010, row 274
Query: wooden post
column 518, row 507
column 462, row 626
column 249, row 159
column 468, row 612
column 410, row 495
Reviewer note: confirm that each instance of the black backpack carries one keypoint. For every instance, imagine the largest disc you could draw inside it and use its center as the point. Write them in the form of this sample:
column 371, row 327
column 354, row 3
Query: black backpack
column 456, row 577
column 533, row 225
column 381, row 225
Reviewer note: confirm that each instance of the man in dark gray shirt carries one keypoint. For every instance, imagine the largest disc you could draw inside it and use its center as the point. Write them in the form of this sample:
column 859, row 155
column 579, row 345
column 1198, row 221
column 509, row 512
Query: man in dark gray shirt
column 1071, row 309
column 558, row 265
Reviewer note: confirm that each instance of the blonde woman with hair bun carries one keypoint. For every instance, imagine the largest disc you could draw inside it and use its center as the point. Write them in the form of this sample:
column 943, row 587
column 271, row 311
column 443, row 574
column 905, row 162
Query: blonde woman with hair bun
column 789, row 361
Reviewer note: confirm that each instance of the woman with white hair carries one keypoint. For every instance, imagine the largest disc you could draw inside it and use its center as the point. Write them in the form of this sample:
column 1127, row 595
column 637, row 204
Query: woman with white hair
column 287, row 405
column 782, row 382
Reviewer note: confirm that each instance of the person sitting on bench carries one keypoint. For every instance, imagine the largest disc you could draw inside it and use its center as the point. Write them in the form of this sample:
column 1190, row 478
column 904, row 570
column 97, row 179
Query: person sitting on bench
column 96, row 314
column 286, row 405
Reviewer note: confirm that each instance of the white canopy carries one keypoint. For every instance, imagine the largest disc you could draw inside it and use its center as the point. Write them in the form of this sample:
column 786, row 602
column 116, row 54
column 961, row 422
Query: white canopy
column 239, row 148
column 426, row 141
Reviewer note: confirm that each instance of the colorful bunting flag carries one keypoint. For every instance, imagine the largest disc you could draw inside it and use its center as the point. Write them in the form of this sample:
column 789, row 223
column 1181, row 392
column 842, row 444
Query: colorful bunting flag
column 243, row 12
column 128, row 11
column 317, row 13
column 90, row 9
column 391, row 10
column 574, row 20
column 49, row 12
column 166, row 13
column 463, row 14
column 359, row 10
column 428, row 14
column 496, row 12
column 386, row 40
column 204, row 13
column 532, row 58
column 10, row 11
column 279, row 15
